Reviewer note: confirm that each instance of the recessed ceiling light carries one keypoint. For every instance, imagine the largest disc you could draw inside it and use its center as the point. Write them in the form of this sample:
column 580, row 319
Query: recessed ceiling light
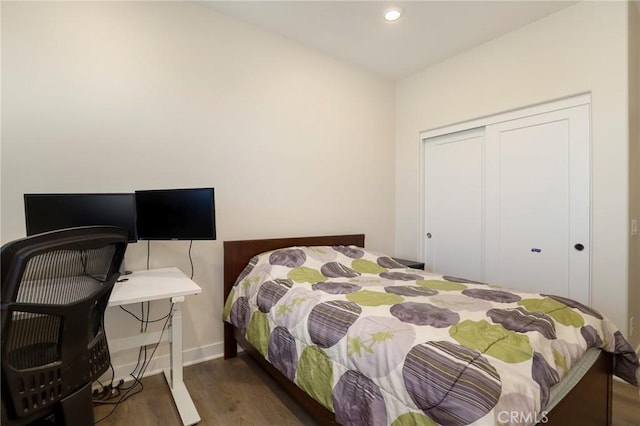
column 392, row 14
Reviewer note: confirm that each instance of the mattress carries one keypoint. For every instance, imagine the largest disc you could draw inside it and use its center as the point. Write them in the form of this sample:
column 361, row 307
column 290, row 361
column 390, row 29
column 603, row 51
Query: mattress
column 577, row 372
column 377, row 343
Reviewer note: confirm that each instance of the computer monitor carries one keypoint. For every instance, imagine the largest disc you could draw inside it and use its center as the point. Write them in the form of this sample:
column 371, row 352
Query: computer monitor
column 176, row 214
column 48, row 212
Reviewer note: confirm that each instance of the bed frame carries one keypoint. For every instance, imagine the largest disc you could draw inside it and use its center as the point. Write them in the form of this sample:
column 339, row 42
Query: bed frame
column 589, row 402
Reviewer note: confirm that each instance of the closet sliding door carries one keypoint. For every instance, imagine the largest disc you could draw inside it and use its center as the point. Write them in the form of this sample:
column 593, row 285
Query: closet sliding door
column 537, row 203
column 507, row 202
column 453, row 210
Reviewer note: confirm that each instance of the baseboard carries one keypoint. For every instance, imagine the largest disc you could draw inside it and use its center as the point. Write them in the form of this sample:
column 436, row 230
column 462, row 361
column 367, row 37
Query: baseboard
column 160, row 363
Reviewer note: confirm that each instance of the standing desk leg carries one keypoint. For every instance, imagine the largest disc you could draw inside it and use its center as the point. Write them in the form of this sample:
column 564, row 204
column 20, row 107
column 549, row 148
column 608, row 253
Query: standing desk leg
column 181, row 397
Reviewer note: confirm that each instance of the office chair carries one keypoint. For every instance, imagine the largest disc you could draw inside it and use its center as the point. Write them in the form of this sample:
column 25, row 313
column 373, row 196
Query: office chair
column 55, row 289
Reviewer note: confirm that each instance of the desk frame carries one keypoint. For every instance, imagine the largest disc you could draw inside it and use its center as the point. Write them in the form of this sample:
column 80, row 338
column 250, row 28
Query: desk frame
column 157, row 284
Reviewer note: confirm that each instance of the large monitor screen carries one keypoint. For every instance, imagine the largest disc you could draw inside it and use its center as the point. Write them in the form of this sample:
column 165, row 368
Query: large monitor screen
column 49, row 212
column 176, row 214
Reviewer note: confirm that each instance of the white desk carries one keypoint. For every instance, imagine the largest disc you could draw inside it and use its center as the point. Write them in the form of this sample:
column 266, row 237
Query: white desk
column 156, row 284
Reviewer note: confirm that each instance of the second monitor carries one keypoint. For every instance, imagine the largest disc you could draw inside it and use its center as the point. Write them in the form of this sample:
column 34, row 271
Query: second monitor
column 176, row 214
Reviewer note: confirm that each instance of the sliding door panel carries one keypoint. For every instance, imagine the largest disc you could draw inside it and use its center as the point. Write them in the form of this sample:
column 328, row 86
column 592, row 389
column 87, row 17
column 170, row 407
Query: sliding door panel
column 537, row 203
column 453, row 209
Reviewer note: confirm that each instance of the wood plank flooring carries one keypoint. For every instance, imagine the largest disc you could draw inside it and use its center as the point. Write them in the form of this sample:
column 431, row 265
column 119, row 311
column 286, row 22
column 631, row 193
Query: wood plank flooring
column 238, row 393
column 626, row 404
column 233, row 392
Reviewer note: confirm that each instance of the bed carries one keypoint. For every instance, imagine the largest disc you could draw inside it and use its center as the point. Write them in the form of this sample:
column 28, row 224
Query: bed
column 586, row 400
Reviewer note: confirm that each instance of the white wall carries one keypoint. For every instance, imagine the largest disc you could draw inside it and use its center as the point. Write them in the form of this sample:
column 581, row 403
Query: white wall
column 580, row 49
column 118, row 96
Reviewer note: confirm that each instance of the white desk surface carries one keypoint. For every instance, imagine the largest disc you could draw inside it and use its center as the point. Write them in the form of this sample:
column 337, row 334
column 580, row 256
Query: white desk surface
column 152, row 284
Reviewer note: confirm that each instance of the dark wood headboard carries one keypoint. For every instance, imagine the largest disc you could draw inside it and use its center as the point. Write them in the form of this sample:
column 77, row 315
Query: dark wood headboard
column 237, row 255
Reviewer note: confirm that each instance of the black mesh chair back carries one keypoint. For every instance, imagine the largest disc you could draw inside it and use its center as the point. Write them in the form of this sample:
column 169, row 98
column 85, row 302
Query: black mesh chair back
column 55, row 289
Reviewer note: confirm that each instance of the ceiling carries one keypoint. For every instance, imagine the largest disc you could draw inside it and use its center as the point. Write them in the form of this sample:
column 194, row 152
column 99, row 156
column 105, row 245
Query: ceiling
column 355, row 31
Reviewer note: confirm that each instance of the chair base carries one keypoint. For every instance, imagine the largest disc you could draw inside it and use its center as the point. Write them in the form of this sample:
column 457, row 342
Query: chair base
column 76, row 409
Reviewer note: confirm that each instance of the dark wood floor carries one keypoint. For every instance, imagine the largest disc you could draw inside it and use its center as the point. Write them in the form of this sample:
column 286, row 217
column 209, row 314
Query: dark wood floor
column 232, row 392
column 626, row 404
column 236, row 392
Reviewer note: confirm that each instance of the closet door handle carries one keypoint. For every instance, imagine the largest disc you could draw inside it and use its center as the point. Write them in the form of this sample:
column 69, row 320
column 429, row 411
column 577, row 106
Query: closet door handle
column 579, row 247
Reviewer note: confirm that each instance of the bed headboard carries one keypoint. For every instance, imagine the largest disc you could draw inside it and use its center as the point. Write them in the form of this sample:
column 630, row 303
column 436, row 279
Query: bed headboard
column 237, row 254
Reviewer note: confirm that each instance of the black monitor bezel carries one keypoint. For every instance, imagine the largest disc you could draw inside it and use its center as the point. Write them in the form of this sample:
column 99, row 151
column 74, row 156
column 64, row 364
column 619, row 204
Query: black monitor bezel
column 132, row 228
column 157, row 236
